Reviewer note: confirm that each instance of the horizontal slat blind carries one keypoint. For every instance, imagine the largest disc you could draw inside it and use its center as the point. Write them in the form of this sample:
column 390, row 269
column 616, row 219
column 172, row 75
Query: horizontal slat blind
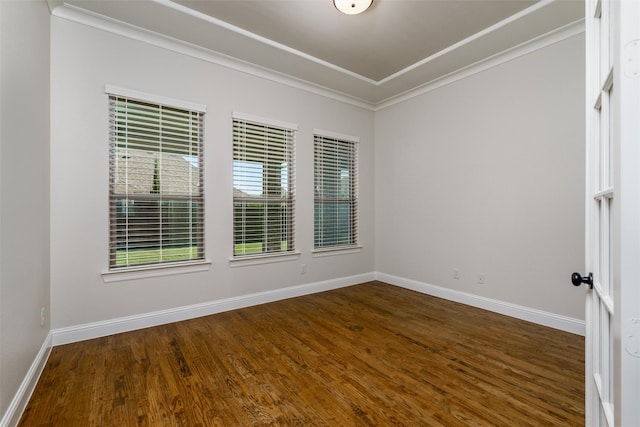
column 336, row 192
column 156, row 195
column 263, row 188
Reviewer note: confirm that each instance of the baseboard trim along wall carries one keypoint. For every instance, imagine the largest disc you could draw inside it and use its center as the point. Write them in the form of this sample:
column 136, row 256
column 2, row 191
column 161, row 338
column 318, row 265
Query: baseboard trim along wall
column 124, row 324
column 146, row 320
column 540, row 317
column 12, row 416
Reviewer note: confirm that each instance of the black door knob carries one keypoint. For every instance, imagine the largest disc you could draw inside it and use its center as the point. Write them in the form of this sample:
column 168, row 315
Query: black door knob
column 578, row 280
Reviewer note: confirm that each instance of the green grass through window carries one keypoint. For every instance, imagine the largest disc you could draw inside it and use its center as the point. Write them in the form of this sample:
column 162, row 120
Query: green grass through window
column 150, row 256
column 254, row 248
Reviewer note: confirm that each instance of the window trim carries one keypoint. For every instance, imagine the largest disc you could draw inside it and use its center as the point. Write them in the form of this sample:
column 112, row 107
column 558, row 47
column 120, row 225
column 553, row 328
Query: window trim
column 263, row 121
column 335, row 135
column 269, row 258
column 274, row 256
column 355, row 246
column 338, row 250
column 154, row 99
column 127, row 272
column 155, row 270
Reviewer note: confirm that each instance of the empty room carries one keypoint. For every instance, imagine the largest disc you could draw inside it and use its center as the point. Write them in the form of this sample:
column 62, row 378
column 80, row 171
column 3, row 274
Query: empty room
column 319, row 212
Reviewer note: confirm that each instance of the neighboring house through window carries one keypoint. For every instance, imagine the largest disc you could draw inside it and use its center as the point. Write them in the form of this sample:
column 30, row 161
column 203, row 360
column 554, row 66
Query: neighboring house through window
column 263, row 187
column 336, row 191
column 156, row 194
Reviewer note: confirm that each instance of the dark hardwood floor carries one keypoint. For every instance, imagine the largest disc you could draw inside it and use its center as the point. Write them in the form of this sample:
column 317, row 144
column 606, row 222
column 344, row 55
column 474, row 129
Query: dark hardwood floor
column 371, row 354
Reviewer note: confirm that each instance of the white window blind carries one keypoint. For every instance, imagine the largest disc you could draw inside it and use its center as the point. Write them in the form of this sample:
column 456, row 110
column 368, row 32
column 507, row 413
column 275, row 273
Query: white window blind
column 336, row 192
column 156, row 197
column 263, row 188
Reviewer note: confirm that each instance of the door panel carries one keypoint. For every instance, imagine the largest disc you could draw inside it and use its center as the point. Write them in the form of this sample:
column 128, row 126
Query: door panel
column 600, row 206
column 612, row 233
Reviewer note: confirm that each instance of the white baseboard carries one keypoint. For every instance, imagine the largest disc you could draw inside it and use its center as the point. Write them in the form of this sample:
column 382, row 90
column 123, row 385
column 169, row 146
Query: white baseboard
column 12, row 416
column 124, row 324
column 146, row 320
column 540, row 317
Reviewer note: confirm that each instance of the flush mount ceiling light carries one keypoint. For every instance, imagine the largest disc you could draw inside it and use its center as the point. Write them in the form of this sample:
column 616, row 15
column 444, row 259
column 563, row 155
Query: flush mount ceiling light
column 352, row 7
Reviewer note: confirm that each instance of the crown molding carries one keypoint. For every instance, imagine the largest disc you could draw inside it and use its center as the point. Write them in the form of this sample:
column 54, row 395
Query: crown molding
column 199, row 15
column 82, row 16
column 568, row 31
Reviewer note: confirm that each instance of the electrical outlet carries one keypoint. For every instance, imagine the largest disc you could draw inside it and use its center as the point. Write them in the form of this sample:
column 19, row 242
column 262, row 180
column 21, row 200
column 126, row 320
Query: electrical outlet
column 456, row 273
column 481, row 278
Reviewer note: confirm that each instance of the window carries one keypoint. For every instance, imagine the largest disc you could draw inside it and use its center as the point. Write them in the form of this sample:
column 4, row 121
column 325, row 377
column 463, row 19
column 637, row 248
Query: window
column 263, row 188
column 336, row 192
column 156, row 199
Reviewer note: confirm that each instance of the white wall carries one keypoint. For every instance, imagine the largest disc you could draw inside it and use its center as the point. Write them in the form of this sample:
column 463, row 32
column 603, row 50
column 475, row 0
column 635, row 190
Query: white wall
column 84, row 59
column 486, row 174
column 24, row 189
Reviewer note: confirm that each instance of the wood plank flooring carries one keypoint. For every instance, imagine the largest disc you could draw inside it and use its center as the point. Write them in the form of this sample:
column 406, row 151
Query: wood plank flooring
column 365, row 355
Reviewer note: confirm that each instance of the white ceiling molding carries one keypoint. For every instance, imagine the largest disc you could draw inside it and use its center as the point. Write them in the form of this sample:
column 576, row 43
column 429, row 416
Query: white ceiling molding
column 542, row 24
column 260, row 39
column 81, row 16
column 570, row 30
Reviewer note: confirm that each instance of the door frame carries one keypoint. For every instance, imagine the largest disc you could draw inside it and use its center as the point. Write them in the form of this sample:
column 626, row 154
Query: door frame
column 626, row 131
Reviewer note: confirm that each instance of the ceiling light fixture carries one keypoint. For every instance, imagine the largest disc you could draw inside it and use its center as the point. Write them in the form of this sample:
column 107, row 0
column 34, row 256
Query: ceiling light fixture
column 352, row 7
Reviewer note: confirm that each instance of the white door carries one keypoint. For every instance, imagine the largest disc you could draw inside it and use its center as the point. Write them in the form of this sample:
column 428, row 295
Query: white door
column 613, row 213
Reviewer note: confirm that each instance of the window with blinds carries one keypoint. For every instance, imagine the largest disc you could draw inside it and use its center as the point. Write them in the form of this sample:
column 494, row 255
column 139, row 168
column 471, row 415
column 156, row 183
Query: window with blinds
column 336, row 193
column 156, row 198
column 263, row 188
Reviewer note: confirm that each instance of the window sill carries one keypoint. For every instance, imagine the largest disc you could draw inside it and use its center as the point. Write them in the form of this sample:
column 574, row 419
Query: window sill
column 133, row 273
column 336, row 251
column 262, row 259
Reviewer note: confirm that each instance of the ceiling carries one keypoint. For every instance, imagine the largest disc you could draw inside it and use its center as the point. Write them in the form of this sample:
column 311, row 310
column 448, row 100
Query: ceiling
column 392, row 48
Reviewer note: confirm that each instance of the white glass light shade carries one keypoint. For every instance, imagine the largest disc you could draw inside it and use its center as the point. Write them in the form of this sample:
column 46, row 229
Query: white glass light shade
column 352, row 7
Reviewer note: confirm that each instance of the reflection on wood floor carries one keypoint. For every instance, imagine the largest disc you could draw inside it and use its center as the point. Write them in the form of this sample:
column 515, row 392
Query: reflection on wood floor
column 370, row 354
